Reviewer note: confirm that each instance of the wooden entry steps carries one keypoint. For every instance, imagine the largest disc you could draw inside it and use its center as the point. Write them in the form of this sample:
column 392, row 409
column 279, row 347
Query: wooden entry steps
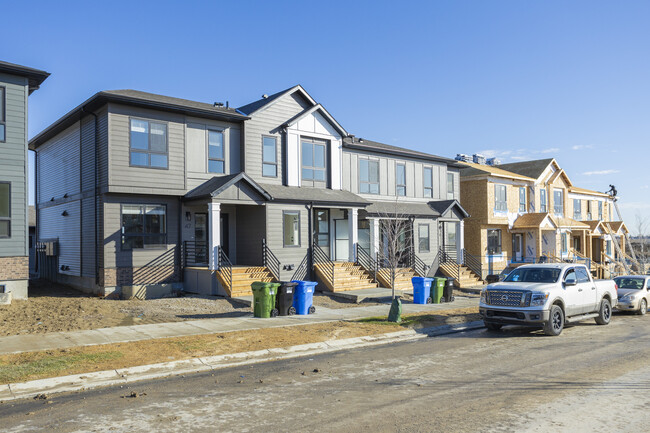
column 242, row 278
column 467, row 277
column 347, row 276
column 402, row 278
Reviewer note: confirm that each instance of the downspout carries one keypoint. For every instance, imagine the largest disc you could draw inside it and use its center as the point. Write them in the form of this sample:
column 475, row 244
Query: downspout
column 181, row 253
column 96, row 195
column 310, row 248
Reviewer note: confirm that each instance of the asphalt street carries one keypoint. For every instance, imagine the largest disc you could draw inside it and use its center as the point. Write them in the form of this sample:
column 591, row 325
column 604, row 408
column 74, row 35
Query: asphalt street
column 591, row 378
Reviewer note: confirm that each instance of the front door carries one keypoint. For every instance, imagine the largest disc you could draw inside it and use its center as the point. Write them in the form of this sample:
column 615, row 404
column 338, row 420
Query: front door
column 224, row 235
column 201, row 238
column 517, row 247
column 322, row 229
column 341, row 240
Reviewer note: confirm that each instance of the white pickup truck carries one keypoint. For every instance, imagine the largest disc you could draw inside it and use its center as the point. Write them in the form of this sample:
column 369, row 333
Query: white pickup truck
column 547, row 296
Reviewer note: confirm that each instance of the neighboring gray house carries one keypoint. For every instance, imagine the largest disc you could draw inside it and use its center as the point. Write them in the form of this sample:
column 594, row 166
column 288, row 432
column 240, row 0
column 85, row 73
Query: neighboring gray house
column 16, row 84
column 213, row 198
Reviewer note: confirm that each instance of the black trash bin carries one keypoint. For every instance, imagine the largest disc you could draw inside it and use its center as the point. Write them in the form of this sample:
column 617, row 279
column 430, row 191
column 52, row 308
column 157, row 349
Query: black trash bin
column 284, row 299
column 448, row 292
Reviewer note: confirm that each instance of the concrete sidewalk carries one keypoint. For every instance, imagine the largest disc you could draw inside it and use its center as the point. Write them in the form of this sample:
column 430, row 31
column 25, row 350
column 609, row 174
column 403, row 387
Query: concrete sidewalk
column 125, row 334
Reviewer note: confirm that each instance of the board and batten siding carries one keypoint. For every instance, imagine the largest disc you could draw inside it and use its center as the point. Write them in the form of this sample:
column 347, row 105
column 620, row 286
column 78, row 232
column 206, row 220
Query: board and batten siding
column 268, row 121
column 63, row 222
column 275, row 233
column 13, row 166
column 114, row 256
column 124, row 178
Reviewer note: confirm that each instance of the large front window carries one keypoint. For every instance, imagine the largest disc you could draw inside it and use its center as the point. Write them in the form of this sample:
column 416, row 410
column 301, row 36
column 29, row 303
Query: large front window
column 577, row 209
column 500, row 198
column 291, row 228
column 148, row 144
column 427, row 174
column 5, row 209
column 314, row 162
column 368, row 176
column 143, row 226
column 269, row 157
column 400, row 180
column 3, row 128
column 494, row 241
column 216, row 156
column 558, row 202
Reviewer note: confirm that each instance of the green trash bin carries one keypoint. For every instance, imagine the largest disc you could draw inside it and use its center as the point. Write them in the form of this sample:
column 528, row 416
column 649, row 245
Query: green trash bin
column 264, row 299
column 438, row 289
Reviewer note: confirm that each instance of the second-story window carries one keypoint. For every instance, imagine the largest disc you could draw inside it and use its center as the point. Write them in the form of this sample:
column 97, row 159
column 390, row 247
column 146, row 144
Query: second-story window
column 558, row 202
column 577, row 209
column 542, row 200
column 216, row 154
column 500, row 198
column 522, row 199
column 368, row 176
column 314, row 162
column 3, row 128
column 493, row 241
column 600, row 210
column 5, row 210
column 400, row 180
column 427, row 175
column 269, row 157
column 589, row 210
column 450, row 186
column 148, row 142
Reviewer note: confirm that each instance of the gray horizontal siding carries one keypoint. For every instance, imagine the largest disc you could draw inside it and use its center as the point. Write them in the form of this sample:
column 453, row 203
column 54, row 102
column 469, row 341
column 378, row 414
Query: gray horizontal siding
column 288, row 255
column 59, row 165
column 268, row 122
column 434, row 242
column 52, row 224
column 13, row 163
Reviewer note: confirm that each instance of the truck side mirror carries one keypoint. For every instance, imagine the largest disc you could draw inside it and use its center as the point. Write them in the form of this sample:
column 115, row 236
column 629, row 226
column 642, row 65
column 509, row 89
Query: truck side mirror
column 570, row 283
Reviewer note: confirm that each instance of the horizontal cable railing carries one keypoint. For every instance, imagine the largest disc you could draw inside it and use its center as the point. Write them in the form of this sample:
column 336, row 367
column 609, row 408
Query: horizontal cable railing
column 195, row 253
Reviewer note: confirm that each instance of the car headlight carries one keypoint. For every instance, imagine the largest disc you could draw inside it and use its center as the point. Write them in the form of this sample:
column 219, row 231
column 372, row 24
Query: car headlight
column 631, row 297
column 538, row 299
column 484, row 296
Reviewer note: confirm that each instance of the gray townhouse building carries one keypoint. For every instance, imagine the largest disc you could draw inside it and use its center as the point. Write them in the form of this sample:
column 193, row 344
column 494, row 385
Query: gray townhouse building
column 142, row 190
column 16, row 84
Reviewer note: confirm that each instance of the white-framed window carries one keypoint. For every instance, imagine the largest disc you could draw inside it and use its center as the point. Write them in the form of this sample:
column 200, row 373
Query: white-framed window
column 3, row 114
column 400, row 180
column 291, row 228
column 450, row 186
column 600, row 210
column 577, row 209
column 565, row 243
column 148, row 144
column 5, row 210
column 269, row 157
column 423, row 238
column 558, row 202
column 522, row 199
column 500, row 198
column 493, row 241
column 368, row 176
column 589, row 213
column 143, row 226
column 314, row 162
column 216, row 152
column 542, row 200
column 427, row 180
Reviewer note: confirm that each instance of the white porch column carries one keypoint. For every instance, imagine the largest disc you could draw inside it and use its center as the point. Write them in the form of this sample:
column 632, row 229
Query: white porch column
column 353, row 233
column 214, row 227
column 461, row 243
column 375, row 236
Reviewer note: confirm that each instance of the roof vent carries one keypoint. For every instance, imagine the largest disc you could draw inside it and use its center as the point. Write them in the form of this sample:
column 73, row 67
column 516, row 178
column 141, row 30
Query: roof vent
column 265, row 96
column 360, row 140
column 218, row 104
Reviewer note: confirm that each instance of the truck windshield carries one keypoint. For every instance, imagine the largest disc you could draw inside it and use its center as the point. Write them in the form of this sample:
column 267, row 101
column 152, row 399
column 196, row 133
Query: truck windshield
column 533, row 275
column 629, row 283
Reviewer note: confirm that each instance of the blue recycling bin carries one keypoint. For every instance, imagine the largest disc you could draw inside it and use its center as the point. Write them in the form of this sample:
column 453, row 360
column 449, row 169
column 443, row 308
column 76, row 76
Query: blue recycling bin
column 421, row 290
column 303, row 297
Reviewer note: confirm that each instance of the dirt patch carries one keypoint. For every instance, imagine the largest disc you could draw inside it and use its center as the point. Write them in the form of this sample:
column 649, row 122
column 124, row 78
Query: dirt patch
column 56, row 308
column 427, row 320
column 324, row 300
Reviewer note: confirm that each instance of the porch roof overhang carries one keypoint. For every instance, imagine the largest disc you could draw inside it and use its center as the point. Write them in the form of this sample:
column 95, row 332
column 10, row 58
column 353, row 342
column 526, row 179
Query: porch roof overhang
column 618, row 227
column 317, row 196
column 387, row 209
column 445, row 207
column 569, row 223
column 535, row 221
column 218, row 184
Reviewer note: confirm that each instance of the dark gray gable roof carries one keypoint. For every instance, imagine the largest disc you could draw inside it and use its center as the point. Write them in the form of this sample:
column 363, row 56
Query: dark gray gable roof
column 442, row 206
column 471, row 171
column 256, row 105
column 374, row 146
column 533, row 168
column 218, row 184
column 316, row 195
column 138, row 99
column 401, row 209
column 35, row 76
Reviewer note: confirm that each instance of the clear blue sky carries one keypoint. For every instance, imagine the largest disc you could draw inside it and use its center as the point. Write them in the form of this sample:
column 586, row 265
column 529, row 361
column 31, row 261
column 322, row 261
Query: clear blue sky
column 513, row 79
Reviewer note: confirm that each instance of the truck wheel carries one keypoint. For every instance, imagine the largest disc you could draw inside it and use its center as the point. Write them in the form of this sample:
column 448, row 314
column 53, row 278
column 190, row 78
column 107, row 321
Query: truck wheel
column 644, row 307
column 605, row 312
column 492, row 326
column 555, row 323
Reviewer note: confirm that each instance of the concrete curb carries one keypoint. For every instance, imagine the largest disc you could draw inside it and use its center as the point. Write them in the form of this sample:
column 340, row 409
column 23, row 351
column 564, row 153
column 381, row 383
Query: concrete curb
column 79, row 382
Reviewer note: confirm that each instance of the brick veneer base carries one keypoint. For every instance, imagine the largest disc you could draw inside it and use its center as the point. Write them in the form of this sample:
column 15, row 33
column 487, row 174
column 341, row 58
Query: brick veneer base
column 14, row 268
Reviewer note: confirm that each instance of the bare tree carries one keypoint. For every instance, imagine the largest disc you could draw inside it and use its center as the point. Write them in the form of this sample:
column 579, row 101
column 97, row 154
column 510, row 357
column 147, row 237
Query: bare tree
column 642, row 225
column 396, row 230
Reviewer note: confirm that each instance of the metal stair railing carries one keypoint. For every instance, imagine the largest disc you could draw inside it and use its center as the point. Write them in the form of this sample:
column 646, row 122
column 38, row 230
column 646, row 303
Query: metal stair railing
column 195, row 253
column 365, row 260
column 301, row 270
column 473, row 264
column 225, row 265
column 419, row 266
column 326, row 265
column 270, row 261
column 450, row 264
